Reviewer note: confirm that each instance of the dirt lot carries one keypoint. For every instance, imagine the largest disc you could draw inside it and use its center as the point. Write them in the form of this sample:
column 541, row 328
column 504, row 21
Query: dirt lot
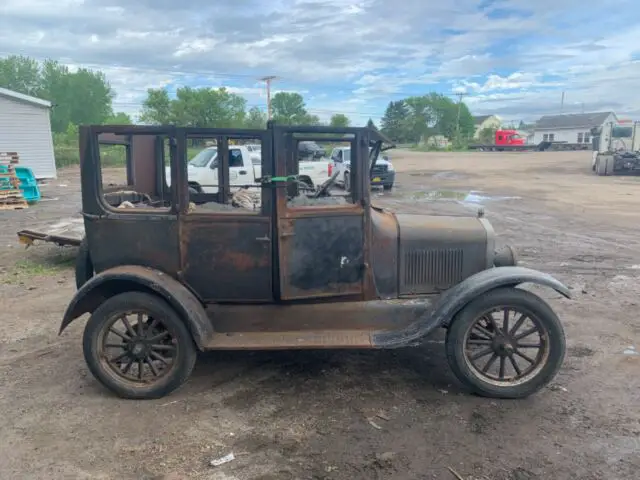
column 351, row 415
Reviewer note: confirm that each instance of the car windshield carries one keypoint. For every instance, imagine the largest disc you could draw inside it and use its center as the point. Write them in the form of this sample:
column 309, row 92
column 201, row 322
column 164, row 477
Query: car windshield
column 346, row 155
column 203, row 157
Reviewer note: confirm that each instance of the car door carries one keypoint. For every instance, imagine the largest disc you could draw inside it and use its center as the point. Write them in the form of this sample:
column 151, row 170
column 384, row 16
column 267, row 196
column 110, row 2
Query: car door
column 320, row 242
column 240, row 169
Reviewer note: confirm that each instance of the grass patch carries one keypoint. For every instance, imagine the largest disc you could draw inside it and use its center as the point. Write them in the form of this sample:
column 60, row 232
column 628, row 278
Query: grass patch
column 25, row 269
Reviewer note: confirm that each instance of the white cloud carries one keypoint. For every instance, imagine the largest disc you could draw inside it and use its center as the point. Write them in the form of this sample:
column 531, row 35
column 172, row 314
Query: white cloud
column 351, row 56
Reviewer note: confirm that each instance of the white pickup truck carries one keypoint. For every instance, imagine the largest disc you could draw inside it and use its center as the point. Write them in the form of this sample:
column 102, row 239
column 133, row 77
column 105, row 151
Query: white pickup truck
column 244, row 168
column 383, row 173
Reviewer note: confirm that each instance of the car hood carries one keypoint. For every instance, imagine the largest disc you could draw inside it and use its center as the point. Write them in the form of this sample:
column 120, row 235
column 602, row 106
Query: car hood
column 380, row 161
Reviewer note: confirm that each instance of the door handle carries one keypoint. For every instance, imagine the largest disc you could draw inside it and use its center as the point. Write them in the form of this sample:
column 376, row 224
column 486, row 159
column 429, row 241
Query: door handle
column 287, row 234
column 263, row 239
column 242, row 172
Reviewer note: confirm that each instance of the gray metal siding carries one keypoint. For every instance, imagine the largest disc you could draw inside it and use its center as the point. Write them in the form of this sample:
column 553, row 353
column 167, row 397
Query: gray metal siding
column 26, row 129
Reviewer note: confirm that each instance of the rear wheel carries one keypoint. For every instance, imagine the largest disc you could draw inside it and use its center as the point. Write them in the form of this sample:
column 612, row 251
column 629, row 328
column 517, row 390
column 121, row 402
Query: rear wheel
column 347, row 181
column 506, row 344
column 136, row 345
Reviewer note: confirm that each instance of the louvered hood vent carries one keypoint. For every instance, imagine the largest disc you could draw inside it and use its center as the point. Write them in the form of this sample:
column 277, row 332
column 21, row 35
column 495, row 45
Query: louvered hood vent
column 437, row 252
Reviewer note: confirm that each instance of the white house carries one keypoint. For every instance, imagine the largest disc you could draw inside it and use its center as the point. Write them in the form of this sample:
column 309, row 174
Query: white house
column 570, row 128
column 25, row 128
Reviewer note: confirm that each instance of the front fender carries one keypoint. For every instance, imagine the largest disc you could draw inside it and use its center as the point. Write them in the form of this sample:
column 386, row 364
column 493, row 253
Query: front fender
column 136, row 278
column 455, row 298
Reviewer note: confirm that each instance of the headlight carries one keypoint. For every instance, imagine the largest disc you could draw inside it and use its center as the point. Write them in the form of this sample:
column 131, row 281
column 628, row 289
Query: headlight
column 390, row 167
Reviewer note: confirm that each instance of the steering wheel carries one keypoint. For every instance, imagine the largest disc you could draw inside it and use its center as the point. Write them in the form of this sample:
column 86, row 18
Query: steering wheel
column 323, row 190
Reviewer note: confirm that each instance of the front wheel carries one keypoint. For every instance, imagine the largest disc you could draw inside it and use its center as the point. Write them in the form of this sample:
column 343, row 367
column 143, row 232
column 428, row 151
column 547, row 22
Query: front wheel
column 347, row 182
column 506, row 344
column 602, row 167
column 387, row 186
column 136, row 345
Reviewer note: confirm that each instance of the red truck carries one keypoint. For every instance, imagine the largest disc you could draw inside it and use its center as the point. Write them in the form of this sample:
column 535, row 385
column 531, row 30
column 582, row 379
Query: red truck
column 509, row 140
column 512, row 141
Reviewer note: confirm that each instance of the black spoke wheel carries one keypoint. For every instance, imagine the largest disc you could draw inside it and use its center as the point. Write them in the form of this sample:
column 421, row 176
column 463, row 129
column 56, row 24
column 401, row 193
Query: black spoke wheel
column 137, row 346
column 506, row 344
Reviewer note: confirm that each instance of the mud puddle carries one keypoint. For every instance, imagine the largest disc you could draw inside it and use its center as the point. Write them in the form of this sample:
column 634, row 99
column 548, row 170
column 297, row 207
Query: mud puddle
column 460, row 196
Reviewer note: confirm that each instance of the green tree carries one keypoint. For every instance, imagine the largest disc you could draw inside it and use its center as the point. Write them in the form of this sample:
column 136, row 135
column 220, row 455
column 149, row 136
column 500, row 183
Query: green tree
column 256, row 119
column 394, row 122
column 370, row 124
column 21, row 74
column 487, row 135
column 421, row 117
column 208, row 107
column 80, row 97
column 195, row 107
column 451, row 119
column 288, row 108
column 309, row 119
column 339, row 120
column 119, row 118
column 156, row 108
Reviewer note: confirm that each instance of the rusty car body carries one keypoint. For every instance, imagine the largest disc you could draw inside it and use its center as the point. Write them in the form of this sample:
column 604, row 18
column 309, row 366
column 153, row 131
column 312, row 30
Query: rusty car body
column 303, row 269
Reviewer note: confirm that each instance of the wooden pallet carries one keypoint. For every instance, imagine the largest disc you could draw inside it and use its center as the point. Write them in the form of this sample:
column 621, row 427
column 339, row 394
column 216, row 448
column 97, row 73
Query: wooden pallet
column 11, row 197
column 9, row 158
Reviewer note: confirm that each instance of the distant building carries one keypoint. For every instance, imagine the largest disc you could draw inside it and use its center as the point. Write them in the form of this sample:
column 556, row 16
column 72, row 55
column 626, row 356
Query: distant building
column 437, row 141
column 485, row 121
column 570, row 128
column 25, row 128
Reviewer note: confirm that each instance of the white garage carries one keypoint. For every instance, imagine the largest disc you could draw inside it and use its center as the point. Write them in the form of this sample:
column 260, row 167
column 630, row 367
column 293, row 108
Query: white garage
column 25, row 128
column 570, row 128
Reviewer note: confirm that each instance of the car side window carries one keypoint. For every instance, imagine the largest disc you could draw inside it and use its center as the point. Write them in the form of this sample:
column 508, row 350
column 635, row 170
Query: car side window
column 235, row 158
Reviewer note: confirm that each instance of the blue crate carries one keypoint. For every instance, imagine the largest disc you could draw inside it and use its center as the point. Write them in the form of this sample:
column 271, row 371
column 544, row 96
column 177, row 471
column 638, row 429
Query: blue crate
column 28, row 183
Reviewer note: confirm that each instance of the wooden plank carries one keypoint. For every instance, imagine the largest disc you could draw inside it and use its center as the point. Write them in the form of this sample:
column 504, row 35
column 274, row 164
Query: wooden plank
column 14, row 206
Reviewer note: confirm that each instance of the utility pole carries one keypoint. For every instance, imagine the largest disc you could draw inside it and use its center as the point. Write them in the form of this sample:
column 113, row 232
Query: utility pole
column 459, row 95
column 562, row 102
column 268, row 80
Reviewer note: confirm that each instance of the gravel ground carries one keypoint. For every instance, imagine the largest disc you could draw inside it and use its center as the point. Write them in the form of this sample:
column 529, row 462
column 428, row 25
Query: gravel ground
column 345, row 415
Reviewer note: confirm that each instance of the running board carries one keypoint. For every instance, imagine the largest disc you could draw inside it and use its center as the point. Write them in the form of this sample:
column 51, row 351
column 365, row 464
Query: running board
column 321, row 339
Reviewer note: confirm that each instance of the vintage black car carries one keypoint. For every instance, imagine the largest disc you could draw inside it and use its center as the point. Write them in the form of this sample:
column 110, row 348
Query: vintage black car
column 276, row 265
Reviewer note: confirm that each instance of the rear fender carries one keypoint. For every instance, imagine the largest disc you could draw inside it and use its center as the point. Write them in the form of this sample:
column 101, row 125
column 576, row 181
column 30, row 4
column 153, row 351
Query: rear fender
column 135, row 278
column 455, row 298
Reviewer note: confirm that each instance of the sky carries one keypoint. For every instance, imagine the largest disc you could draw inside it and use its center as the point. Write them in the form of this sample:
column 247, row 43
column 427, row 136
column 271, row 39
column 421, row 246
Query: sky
column 510, row 58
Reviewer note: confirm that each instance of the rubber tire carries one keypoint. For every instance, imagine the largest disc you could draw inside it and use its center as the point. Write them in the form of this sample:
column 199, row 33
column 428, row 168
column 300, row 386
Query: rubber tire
column 347, row 181
column 156, row 307
column 84, row 266
column 505, row 296
column 602, row 170
column 388, row 186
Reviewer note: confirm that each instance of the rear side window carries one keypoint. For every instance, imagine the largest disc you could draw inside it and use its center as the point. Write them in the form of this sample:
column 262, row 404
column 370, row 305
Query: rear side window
column 235, row 158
